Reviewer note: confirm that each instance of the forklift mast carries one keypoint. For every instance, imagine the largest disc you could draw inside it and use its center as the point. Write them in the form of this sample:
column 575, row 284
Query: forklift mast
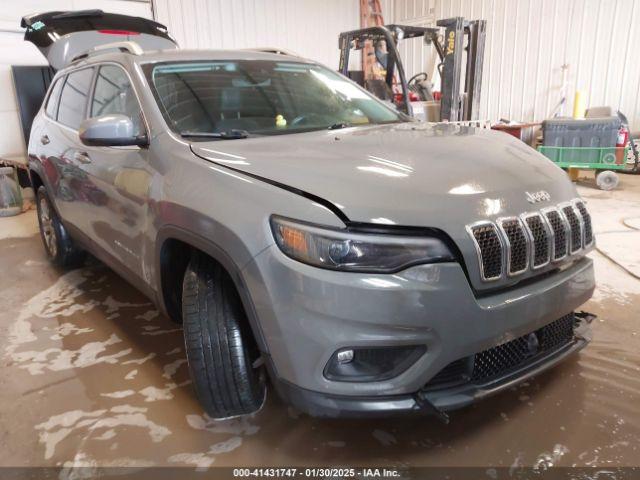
column 460, row 99
column 358, row 40
column 457, row 104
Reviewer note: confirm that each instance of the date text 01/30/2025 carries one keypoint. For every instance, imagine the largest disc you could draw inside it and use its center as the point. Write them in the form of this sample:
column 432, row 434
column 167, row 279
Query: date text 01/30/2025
column 311, row 472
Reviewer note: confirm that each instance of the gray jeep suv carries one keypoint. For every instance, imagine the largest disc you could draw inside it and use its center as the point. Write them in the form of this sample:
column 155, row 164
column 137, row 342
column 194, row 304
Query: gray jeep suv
column 303, row 231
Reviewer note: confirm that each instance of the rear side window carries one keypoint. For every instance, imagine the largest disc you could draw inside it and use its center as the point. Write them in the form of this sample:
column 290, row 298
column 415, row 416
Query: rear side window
column 52, row 101
column 114, row 94
column 73, row 100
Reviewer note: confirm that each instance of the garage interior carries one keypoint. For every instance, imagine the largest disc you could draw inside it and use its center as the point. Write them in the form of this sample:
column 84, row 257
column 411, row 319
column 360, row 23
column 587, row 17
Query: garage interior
column 94, row 376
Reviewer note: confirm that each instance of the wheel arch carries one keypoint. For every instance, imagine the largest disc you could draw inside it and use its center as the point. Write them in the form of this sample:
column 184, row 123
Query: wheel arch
column 35, row 179
column 174, row 246
column 38, row 178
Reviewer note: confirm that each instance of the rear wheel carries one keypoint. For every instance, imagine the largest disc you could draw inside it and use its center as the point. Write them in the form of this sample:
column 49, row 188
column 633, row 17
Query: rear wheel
column 60, row 247
column 607, row 180
column 219, row 343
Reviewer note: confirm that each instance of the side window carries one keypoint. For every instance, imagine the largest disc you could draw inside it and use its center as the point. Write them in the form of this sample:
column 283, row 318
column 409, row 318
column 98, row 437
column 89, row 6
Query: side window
column 73, row 99
column 114, row 95
column 52, row 101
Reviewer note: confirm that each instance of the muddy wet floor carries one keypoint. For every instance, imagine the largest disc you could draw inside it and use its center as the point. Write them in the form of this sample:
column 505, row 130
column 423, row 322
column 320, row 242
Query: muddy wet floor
column 92, row 375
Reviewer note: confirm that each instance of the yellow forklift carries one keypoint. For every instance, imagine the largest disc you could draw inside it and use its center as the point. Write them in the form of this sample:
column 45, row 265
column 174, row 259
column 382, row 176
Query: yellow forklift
column 384, row 75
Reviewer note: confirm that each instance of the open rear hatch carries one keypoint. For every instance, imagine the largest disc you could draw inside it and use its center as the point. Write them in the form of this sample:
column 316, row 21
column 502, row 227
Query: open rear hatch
column 62, row 36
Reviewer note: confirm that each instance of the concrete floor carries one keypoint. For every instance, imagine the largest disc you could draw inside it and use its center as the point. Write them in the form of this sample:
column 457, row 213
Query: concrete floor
column 92, row 375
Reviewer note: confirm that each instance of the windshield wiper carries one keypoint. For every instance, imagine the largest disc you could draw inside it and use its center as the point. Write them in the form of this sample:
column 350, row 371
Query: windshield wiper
column 338, row 126
column 224, row 135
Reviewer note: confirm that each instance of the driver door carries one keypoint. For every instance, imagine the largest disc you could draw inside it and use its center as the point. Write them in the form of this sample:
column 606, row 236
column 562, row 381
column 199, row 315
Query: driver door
column 118, row 223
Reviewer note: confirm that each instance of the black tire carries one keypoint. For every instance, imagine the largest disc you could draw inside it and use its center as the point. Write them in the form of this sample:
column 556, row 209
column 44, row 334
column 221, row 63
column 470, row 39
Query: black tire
column 60, row 247
column 220, row 347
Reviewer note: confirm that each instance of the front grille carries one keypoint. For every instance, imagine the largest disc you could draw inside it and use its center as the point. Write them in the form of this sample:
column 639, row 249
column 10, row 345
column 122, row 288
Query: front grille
column 559, row 234
column 500, row 360
column 540, row 238
column 574, row 225
column 586, row 222
column 530, row 241
column 504, row 359
column 452, row 374
column 490, row 249
column 518, row 250
column 557, row 333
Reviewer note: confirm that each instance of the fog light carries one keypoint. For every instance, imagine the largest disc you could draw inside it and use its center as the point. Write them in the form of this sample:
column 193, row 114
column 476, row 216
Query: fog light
column 345, row 356
column 371, row 364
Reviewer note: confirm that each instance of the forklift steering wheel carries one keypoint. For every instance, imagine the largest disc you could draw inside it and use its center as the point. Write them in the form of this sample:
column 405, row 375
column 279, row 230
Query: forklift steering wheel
column 418, row 77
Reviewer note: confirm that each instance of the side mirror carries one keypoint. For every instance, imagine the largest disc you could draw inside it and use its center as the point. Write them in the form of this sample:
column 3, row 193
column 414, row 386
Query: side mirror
column 110, row 131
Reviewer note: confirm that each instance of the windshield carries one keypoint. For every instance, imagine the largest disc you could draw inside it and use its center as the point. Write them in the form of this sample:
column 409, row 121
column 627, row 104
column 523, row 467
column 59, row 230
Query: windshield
column 236, row 98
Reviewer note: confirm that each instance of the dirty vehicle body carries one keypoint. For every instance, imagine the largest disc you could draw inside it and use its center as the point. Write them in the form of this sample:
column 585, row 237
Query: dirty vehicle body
column 365, row 263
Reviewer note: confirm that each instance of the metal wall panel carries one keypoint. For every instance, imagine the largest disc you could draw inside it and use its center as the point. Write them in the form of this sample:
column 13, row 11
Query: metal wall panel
column 529, row 41
column 307, row 27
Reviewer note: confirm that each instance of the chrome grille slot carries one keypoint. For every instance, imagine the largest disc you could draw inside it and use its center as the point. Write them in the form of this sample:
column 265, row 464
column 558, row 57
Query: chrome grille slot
column 559, row 230
column 540, row 239
column 489, row 248
column 574, row 225
column 586, row 223
column 517, row 245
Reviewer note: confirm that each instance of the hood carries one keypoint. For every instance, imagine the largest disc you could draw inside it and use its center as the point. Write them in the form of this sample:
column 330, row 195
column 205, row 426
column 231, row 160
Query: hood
column 404, row 174
column 414, row 175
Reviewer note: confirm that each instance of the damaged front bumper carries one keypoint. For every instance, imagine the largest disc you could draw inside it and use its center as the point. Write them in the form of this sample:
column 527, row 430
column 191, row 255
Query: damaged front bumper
column 437, row 401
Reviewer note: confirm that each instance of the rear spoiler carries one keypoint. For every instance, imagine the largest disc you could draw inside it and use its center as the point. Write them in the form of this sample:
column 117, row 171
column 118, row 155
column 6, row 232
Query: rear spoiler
column 62, row 36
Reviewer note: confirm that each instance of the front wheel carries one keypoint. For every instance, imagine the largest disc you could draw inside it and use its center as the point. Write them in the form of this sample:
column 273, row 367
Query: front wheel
column 60, row 247
column 222, row 355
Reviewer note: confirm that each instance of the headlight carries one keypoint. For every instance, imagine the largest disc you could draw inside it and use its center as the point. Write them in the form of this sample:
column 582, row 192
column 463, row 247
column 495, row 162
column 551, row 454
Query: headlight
column 358, row 252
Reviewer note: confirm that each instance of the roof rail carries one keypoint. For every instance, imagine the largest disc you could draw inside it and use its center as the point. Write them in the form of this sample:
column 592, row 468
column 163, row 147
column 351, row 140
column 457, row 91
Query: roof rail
column 276, row 50
column 127, row 47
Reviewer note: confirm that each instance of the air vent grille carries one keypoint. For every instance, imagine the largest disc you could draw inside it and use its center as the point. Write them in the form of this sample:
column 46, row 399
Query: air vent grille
column 540, row 238
column 518, row 249
column 586, row 222
column 559, row 229
column 490, row 249
column 574, row 225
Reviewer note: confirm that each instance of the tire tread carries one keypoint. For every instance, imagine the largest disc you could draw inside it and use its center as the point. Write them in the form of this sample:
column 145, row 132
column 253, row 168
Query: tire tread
column 217, row 351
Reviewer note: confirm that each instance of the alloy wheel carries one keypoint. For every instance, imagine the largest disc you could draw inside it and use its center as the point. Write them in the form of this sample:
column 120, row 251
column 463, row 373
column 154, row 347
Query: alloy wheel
column 48, row 230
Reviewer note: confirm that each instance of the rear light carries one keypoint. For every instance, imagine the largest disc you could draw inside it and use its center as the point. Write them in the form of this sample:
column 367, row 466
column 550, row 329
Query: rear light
column 118, row 32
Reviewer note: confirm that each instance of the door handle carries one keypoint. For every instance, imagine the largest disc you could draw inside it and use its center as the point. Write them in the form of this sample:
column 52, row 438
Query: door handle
column 82, row 157
column 44, row 139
